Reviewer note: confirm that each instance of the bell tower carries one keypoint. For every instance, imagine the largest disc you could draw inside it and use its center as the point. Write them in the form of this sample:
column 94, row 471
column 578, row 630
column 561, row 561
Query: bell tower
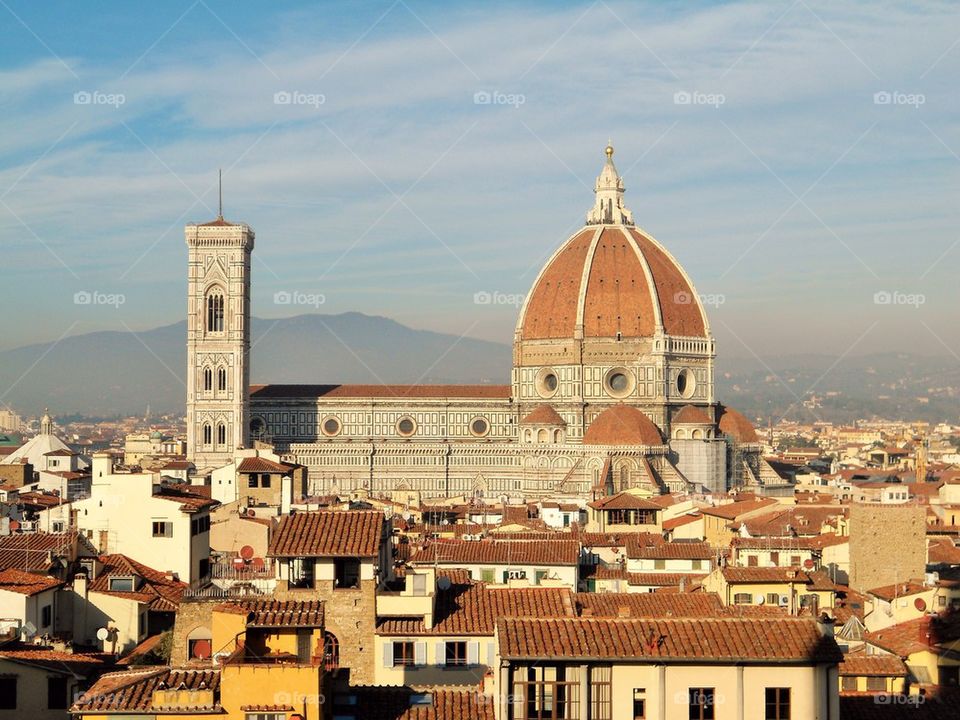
column 218, row 340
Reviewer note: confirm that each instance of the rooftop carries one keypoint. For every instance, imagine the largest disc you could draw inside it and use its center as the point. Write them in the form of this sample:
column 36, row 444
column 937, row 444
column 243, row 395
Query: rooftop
column 329, row 533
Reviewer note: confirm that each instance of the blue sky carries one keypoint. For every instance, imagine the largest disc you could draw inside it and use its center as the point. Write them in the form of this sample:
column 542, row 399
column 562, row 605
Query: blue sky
column 786, row 186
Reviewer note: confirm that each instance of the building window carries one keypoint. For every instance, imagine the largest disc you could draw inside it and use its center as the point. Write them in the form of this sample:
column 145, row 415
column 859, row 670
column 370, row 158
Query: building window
column 659, row 564
column 876, row 684
column 639, row 704
column 777, row 703
column 331, row 651
column 686, row 384
column 162, row 528
column 346, row 573
column 265, row 480
column 200, row 525
column 601, row 692
column 547, row 383
column 479, row 427
column 46, row 616
column 142, row 624
column 406, row 426
column 221, row 434
column 795, row 560
column 121, row 584
column 773, row 599
column 265, row 716
column 57, row 693
column 301, row 572
column 331, row 426
column 848, row 683
column 403, row 652
column 546, row 693
column 207, row 434
column 701, row 703
column 253, row 480
column 8, row 693
column 743, row 599
column 222, row 379
column 215, row 312
column 207, row 379
column 455, row 653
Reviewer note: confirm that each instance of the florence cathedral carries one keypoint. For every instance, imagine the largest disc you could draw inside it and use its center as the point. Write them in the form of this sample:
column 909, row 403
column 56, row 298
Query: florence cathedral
column 612, row 385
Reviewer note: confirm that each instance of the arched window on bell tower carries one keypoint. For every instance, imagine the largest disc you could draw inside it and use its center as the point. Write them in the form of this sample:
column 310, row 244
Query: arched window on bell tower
column 221, row 435
column 207, row 379
column 215, row 311
column 222, row 379
column 207, row 434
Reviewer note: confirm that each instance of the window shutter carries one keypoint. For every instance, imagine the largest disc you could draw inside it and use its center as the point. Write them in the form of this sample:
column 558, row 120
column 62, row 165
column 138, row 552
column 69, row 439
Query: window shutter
column 420, row 653
column 388, row 654
column 441, row 658
column 473, row 653
column 491, row 654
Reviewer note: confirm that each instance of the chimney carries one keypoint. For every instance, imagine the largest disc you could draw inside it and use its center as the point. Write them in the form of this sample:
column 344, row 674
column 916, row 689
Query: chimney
column 586, row 612
column 286, row 494
column 825, row 624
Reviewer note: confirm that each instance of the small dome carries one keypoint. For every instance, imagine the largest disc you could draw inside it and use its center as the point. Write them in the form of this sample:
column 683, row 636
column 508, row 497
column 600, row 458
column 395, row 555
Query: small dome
column 690, row 415
column 156, row 435
column 544, row 415
column 736, row 426
column 622, row 425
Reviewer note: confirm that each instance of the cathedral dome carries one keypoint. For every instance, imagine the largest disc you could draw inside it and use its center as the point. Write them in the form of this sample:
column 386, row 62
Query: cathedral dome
column 611, row 280
column 736, row 426
column 622, row 425
column 543, row 415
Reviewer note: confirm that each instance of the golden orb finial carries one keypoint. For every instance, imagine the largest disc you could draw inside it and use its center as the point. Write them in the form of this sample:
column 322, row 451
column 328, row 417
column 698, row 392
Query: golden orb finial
column 609, row 149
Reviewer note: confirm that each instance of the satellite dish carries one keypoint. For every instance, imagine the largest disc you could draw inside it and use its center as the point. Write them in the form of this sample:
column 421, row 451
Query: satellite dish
column 760, row 599
column 246, row 552
column 14, row 525
column 808, row 564
column 920, row 604
column 28, row 629
column 443, row 583
column 103, row 634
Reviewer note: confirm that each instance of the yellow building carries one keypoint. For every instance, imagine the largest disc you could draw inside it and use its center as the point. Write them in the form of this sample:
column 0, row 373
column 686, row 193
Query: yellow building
column 789, row 588
column 260, row 658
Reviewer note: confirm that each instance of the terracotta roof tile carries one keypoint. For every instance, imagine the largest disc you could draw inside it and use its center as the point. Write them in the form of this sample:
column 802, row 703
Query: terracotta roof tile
column 258, row 392
column 132, row 690
column 543, row 415
column 56, row 660
column 862, row 665
column 731, row 511
column 747, row 575
column 499, row 552
column 277, row 613
column 159, row 592
column 778, row 639
column 672, row 550
column 622, row 425
column 473, row 609
column 691, row 415
column 732, row 423
column 262, row 465
column 649, row 605
column 329, row 533
column 624, row 501
column 25, row 583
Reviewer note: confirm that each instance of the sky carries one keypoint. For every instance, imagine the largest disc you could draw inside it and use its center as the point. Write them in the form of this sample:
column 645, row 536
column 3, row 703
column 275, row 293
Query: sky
column 800, row 159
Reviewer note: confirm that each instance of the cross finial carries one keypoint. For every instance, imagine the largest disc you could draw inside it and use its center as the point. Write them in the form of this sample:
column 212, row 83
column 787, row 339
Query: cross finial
column 220, row 185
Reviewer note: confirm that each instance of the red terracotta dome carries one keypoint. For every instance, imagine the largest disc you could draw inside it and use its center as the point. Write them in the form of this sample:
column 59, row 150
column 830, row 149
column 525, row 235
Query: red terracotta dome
column 611, row 279
column 543, row 415
column 622, row 425
column 735, row 425
column 691, row 415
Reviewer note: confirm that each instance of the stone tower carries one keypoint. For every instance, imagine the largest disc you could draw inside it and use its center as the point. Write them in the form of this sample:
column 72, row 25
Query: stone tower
column 218, row 340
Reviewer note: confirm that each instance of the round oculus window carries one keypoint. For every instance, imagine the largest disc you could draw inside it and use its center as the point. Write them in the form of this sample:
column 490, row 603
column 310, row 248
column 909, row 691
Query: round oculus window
column 479, row 426
column 686, row 383
column 331, row 426
column 547, row 383
column 619, row 382
column 256, row 426
column 406, row 426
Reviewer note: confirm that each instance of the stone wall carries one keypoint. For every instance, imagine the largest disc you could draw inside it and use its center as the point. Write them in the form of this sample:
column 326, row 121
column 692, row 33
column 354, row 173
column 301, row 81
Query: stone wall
column 888, row 544
column 190, row 615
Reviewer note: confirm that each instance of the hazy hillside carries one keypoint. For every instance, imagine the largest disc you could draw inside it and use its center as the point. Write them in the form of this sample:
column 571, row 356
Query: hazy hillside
column 111, row 373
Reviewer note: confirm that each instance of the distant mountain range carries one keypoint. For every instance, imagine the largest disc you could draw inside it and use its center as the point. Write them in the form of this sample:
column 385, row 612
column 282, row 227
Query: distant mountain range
column 106, row 374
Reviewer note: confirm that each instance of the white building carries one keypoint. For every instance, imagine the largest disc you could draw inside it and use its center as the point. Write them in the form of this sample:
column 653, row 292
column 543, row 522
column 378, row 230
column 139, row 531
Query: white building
column 163, row 526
